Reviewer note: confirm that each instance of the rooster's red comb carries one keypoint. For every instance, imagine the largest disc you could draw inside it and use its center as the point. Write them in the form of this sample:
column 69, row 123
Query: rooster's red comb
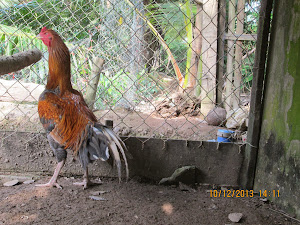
column 44, row 29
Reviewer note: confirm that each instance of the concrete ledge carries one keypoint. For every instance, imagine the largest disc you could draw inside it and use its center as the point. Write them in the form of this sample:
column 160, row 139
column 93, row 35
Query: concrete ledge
column 151, row 158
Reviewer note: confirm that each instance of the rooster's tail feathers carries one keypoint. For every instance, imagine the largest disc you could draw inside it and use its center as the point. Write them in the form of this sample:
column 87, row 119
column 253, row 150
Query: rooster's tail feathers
column 100, row 143
column 116, row 145
column 93, row 147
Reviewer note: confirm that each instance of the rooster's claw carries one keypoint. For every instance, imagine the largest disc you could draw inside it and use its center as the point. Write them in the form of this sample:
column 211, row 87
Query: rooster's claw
column 49, row 184
column 87, row 183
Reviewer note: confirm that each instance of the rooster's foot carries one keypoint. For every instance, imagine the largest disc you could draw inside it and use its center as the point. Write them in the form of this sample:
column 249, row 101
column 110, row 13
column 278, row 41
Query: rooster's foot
column 87, row 183
column 49, row 184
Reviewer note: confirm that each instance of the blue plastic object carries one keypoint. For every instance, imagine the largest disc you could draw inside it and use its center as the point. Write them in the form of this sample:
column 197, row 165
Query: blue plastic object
column 224, row 135
column 222, row 139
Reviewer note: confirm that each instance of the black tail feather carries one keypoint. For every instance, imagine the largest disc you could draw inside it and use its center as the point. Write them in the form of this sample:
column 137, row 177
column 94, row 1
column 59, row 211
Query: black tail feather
column 99, row 144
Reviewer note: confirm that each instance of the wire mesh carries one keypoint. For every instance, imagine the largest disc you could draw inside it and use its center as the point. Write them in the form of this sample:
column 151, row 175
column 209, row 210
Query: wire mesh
column 173, row 69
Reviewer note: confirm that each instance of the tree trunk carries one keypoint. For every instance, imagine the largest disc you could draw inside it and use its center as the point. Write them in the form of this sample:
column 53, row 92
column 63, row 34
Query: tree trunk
column 230, row 54
column 151, row 41
column 221, row 50
column 136, row 58
column 18, row 61
column 209, row 55
column 91, row 91
column 196, row 46
column 238, row 54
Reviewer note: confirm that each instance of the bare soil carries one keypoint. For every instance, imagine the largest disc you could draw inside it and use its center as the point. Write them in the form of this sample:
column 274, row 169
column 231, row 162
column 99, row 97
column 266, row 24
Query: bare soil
column 24, row 117
column 176, row 116
column 134, row 202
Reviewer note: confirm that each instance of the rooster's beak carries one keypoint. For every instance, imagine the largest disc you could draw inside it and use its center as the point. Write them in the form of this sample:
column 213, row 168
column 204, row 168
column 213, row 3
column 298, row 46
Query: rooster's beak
column 38, row 36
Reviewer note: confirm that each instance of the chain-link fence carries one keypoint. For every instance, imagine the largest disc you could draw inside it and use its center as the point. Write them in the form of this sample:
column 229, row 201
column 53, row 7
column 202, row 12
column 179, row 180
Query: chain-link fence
column 172, row 69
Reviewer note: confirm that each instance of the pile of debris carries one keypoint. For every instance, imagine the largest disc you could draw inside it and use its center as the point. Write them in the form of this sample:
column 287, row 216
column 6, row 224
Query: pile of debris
column 180, row 104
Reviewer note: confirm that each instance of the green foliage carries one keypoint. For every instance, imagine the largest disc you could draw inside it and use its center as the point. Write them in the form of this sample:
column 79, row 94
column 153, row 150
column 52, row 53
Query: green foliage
column 170, row 19
column 247, row 72
column 176, row 20
column 92, row 28
column 31, row 16
column 12, row 40
column 147, row 87
column 162, row 41
column 250, row 27
column 251, row 16
column 89, row 28
column 111, row 89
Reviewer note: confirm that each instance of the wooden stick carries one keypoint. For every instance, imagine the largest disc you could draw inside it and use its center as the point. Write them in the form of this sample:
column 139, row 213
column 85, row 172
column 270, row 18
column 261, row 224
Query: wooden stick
column 240, row 15
column 257, row 94
column 18, row 61
column 93, row 82
column 248, row 53
column 286, row 215
column 230, row 57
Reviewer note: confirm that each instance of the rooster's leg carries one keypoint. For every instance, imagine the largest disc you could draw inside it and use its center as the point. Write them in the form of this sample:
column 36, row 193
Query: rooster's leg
column 86, row 181
column 61, row 155
column 53, row 180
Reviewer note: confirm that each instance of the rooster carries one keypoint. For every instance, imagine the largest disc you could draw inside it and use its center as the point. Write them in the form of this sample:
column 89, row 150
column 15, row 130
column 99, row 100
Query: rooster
column 69, row 123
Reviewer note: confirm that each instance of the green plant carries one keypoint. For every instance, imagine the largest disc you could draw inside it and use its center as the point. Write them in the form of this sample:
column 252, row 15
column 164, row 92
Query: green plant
column 163, row 43
column 112, row 88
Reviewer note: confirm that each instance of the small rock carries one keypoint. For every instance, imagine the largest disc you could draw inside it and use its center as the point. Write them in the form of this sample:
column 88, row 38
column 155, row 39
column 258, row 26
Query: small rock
column 185, row 174
column 28, row 181
column 216, row 116
column 235, row 217
column 213, row 206
column 126, row 131
column 224, row 189
column 25, row 217
column 6, row 160
column 97, row 181
column 97, row 198
column 264, row 200
column 11, row 183
column 98, row 192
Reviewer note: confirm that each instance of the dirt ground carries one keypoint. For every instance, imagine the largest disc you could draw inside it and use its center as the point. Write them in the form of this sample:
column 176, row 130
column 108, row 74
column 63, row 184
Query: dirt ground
column 175, row 117
column 172, row 116
column 134, row 202
column 24, row 118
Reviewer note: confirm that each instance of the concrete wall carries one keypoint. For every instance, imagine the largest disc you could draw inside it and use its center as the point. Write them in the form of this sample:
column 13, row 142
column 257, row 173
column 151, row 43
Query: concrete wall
column 278, row 165
column 151, row 158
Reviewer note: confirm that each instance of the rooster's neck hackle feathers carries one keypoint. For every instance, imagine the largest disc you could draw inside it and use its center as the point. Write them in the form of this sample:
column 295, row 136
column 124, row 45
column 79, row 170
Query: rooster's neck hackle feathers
column 59, row 65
